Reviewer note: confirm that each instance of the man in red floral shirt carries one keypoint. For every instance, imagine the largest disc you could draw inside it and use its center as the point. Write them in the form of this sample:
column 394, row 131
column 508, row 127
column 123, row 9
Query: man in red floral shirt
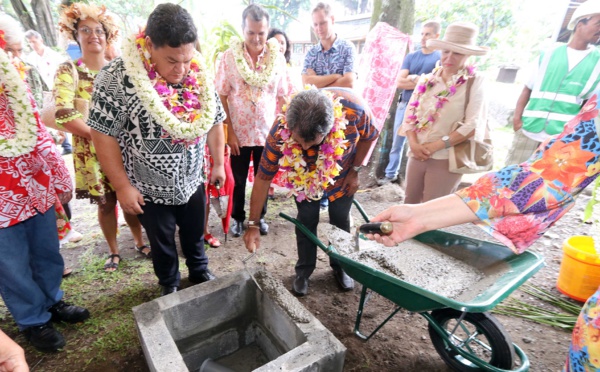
column 33, row 177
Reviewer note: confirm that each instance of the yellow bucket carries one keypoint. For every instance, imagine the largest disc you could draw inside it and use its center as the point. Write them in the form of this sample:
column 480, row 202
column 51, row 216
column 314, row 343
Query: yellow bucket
column 579, row 275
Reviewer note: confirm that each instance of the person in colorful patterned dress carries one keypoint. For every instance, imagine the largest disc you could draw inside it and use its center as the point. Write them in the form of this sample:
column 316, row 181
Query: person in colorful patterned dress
column 517, row 205
column 320, row 145
column 152, row 112
column 33, row 178
column 92, row 28
column 251, row 81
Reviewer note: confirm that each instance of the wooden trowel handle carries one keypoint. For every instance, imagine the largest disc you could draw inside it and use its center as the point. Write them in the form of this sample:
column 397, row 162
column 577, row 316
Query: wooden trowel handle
column 381, row 228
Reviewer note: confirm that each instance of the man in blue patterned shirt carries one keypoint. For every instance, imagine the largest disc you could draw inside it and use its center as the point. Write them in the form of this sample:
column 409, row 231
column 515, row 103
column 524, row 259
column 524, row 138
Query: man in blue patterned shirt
column 330, row 63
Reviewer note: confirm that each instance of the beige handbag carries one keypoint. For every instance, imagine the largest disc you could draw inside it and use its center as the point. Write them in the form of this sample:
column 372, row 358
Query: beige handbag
column 471, row 155
column 48, row 113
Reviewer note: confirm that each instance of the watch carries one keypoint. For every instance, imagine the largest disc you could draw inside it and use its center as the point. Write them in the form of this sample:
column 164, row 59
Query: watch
column 357, row 168
column 253, row 224
column 447, row 143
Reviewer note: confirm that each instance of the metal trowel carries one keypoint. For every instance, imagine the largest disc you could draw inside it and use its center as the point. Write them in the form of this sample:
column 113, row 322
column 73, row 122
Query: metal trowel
column 248, row 270
column 381, row 228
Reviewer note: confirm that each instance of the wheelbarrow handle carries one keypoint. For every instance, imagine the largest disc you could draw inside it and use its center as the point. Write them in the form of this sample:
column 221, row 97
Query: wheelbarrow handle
column 312, row 237
column 361, row 210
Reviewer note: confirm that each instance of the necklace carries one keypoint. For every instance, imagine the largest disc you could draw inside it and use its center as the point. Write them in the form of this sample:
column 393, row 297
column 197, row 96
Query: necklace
column 186, row 114
column 262, row 74
column 421, row 115
column 304, row 183
column 13, row 86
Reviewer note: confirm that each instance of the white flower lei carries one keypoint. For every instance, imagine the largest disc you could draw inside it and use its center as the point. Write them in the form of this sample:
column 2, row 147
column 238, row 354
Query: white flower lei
column 25, row 137
column 152, row 102
column 258, row 78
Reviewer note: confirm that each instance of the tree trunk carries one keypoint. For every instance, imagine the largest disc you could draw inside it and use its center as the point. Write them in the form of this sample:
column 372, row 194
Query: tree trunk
column 23, row 14
column 43, row 15
column 399, row 14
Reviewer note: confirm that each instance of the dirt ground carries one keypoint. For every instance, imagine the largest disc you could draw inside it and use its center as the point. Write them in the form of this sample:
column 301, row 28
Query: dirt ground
column 403, row 344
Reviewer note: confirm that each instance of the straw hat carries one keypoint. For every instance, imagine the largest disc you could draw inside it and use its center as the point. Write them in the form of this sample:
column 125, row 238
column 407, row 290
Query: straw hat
column 588, row 9
column 460, row 37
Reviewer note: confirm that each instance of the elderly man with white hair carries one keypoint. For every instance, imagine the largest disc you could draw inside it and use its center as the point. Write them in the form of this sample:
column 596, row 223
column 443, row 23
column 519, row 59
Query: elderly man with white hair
column 562, row 79
column 42, row 57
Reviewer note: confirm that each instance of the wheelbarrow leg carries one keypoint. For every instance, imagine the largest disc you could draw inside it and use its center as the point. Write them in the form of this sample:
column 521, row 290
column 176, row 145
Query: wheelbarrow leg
column 363, row 299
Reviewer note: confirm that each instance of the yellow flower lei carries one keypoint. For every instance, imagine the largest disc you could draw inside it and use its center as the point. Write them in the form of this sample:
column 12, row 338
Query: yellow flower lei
column 302, row 182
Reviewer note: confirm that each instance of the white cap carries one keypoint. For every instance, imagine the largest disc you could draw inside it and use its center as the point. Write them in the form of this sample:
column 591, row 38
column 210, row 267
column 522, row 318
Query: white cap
column 585, row 10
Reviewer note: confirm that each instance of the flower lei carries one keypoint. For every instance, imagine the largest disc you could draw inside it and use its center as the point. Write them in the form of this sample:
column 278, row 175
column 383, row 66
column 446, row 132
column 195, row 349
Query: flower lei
column 2, row 40
column 420, row 116
column 12, row 84
column 302, row 182
column 263, row 73
column 186, row 117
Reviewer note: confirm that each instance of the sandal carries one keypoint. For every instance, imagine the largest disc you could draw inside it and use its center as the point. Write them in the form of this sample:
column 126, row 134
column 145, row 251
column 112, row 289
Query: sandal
column 144, row 250
column 112, row 264
column 211, row 241
column 67, row 271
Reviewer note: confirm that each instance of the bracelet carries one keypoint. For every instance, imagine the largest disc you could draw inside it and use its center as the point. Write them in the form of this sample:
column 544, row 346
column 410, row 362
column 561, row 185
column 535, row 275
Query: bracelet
column 253, row 226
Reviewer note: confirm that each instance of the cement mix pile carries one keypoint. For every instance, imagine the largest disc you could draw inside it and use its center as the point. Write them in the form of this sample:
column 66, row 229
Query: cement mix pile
column 415, row 263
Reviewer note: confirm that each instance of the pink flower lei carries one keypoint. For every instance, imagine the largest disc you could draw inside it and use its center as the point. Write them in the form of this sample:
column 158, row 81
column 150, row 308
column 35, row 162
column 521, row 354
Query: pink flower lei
column 304, row 183
column 421, row 117
column 186, row 107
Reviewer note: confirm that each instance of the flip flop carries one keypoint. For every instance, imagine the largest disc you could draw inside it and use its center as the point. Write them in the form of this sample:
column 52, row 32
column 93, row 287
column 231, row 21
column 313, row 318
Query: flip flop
column 211, row 241
column 141, row 249
column 67, row 271
column 112, row 264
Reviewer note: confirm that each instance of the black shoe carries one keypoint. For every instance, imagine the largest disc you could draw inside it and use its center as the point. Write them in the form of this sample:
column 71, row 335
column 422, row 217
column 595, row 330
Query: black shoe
column 166, row 289
column 64, row 312
column 237, row 227
column 204, row 277
column 300, row 286
column 346, row 283
column 263, row 227
column 45, row 338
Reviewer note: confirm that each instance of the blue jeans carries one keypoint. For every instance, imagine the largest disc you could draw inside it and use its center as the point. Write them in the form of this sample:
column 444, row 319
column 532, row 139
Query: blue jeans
column 391, row 171
column 31, row 269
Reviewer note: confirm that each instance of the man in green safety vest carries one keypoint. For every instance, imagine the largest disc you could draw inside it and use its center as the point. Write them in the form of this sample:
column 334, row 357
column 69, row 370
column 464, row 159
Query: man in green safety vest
column 564, row 78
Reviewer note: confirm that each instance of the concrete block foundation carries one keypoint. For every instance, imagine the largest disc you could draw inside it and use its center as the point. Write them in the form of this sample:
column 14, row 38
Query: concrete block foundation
column 232, row 322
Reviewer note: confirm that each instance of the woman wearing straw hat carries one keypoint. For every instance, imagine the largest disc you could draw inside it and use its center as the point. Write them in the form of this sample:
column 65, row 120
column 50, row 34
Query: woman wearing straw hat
column 440, row 114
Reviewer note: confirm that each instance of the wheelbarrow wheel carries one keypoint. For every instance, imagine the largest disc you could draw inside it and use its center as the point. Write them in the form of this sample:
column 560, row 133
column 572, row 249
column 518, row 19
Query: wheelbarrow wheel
column 479, row 334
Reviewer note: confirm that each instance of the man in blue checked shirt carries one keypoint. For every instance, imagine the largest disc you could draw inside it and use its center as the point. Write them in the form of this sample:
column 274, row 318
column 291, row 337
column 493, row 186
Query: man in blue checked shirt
column 330, row 63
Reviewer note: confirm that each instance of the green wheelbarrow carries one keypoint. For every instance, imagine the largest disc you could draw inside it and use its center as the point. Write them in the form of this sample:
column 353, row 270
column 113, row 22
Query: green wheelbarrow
column 464, row 334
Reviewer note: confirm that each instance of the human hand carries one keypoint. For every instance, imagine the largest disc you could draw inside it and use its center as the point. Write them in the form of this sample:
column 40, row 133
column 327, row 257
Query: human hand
column 419, row 151
column 310, row 71
column 64, row 197
column 218, row 174
column 433, row 147
column 405, row 225
column 517, row 123
column 252, row 239
column 234, row 143
column 131, row 200
column 350, row 182
column 12, row 356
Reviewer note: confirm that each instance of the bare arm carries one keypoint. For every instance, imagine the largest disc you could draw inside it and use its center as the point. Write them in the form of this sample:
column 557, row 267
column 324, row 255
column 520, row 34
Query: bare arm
column 413, row 219
column 346, row 81
column 216, row 145
column 406, row 81
column 257, row 200
column 321, row 81
column 232, row 139
column 111, row 162
column 78, row 127
column 521, row 103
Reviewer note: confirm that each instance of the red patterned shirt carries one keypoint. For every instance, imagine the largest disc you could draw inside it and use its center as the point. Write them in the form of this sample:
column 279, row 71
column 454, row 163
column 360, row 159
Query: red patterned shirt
column 29, row 183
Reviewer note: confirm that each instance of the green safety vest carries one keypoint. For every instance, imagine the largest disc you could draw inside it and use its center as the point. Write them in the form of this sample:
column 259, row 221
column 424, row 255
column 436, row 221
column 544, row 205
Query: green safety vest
column 557, row 96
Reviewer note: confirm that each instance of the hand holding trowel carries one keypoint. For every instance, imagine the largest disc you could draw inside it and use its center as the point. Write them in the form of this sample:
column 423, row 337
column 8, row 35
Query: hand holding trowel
column 381, row 228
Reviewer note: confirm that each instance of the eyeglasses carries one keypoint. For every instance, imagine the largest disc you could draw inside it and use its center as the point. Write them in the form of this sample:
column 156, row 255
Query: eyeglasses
column 88, row 31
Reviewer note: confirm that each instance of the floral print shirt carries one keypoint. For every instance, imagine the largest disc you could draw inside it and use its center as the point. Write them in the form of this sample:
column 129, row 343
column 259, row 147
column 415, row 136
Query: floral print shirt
column 65, row 90
column 519, row 203
column 29, row 183
column 251, row 109
column 339, row 59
